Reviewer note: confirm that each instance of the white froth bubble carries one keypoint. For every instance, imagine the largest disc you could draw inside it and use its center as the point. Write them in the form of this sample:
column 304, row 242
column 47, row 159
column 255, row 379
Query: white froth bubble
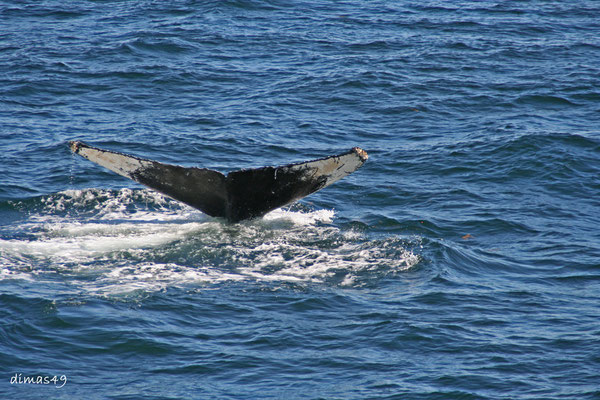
column 301, row 218
column 7, row 273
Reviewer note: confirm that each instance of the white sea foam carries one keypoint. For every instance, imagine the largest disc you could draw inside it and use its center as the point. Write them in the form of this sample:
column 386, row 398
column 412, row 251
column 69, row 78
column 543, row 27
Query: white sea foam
column 300, row 218
column 139, row 240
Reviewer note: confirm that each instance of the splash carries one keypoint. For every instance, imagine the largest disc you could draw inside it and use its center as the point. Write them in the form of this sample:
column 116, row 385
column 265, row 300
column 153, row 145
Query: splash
column 111, row 242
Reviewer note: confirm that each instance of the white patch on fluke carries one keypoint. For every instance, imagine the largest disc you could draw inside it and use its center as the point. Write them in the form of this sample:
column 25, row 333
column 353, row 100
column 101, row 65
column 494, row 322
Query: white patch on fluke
column 121, row 164
column 334, row 168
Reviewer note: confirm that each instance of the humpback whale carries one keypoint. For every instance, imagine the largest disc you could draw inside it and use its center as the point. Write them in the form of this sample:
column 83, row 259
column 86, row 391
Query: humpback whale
column 237, row 196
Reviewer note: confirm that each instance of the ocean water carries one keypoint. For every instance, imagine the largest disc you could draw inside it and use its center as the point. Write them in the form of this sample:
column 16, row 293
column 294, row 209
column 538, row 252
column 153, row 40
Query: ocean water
column 462, row 261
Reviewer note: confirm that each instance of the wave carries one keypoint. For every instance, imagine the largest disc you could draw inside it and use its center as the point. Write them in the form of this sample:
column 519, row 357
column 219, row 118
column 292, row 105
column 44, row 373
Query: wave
column 109, row 242
column 544, row 100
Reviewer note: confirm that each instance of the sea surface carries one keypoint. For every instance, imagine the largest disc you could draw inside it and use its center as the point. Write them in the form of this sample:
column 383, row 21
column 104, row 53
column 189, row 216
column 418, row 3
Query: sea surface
column 462, row 261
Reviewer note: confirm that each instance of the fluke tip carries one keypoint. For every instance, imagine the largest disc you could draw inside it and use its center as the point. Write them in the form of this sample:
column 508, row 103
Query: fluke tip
column 74, row 145
column 361, row 153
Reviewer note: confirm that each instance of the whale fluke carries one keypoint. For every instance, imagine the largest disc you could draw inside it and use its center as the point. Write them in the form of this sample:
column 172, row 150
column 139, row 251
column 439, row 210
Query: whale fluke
column 239, row 195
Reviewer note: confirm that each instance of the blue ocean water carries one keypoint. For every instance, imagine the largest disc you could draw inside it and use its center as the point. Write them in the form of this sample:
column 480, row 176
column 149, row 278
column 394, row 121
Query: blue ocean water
column 462, row 261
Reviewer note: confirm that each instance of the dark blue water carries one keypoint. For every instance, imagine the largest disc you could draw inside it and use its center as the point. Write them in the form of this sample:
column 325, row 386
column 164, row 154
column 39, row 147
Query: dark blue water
column 462, row 261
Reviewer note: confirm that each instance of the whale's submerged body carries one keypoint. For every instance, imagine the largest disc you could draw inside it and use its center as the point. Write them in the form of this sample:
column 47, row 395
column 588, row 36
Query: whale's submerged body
column 239, row 195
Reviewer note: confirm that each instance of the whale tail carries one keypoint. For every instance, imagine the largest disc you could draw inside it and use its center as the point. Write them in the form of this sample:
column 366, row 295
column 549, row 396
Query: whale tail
column 239, row 195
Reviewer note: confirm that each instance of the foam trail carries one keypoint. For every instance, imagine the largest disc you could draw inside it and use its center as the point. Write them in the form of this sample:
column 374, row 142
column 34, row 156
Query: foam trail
column 138, row 240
